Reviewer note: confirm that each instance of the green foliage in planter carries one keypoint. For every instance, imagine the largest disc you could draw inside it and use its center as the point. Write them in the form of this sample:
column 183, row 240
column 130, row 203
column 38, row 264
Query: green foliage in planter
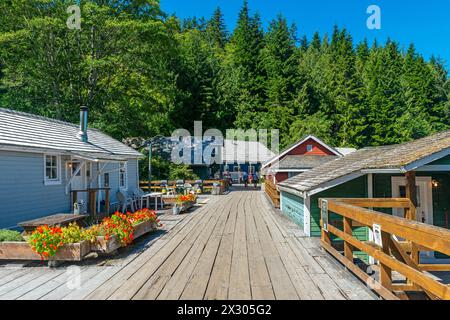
column 74, row 234
column 10, row 235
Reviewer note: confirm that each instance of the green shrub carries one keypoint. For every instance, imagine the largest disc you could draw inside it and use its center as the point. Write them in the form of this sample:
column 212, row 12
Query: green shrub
column 9, row 235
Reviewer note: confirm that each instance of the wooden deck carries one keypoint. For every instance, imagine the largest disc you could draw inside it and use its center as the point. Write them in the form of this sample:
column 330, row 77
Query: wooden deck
column 233, row 247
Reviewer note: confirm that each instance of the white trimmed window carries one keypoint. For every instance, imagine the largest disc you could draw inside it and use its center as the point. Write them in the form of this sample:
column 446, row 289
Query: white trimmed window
column 309, row 147
column 52, row 169
column 123, row 176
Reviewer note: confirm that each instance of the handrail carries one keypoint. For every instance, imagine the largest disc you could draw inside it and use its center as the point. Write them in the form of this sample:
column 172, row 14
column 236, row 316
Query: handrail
column 377, row 202
column 392, row 254
column 207, row 184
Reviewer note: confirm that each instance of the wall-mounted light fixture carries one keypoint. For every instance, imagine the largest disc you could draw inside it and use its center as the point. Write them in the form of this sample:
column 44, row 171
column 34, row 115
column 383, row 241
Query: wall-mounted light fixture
column 435, row 183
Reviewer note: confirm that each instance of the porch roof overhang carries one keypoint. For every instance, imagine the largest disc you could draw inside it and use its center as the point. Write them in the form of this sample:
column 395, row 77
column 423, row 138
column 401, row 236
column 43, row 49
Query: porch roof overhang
column 98, row 157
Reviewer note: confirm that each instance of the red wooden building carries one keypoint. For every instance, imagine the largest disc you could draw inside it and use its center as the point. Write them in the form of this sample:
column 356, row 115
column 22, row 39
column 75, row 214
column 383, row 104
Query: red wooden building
column 299, row 157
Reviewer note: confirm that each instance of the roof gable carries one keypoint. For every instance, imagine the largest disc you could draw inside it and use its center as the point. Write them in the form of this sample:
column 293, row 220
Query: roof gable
column 299, row 144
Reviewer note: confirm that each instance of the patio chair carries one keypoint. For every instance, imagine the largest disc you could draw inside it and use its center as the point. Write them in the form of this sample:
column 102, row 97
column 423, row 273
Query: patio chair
column 125, row 201
column 138, row 198
column 187, row 188
column 198, row 186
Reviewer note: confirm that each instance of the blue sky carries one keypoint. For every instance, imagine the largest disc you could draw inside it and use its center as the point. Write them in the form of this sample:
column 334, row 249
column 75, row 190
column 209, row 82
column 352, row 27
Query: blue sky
column 426, row 23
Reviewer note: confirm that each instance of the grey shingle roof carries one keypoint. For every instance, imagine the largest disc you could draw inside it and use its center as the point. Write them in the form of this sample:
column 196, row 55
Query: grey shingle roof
column 303, row 161
column 25, row 130
column 384, row 157
column 245, row 151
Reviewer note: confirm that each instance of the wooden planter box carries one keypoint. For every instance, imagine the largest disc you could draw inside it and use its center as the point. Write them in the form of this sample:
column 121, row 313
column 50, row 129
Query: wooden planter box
column 106, row 246
column 187, row 205
column 143, row 228
column 23, row 251
column 102, row 245
column 169, row 200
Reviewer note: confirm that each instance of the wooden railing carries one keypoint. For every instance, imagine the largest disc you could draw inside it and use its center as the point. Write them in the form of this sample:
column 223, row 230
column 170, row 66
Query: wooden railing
column 272, row 192
column 207, row 185
column 401, row 256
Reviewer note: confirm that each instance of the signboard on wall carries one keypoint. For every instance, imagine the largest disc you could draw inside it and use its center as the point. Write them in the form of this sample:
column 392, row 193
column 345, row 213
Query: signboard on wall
column 377, row 235
column 324, row 214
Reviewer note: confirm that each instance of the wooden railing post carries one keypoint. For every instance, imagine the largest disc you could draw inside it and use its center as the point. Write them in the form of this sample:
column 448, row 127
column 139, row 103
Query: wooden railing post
column 385, row 271
column 326, row 237
column 348, row 248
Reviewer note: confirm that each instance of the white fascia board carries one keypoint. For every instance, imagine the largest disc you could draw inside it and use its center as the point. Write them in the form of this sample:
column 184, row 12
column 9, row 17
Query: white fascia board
column 307, row 216
column 63, row 152
column 291, row 191
column 431, row 168
column 424, row 161
column 290, row 170
column 12, row 148
column 382, row 171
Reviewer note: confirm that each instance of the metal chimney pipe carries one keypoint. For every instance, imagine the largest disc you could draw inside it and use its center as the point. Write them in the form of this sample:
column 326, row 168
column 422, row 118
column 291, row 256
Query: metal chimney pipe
column 82, row 135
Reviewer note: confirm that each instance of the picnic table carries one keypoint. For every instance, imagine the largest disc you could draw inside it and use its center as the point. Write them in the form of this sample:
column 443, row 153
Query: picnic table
column 55, row 220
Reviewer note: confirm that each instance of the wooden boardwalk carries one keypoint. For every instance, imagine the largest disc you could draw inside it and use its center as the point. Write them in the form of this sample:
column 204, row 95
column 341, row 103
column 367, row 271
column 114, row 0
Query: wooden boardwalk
column 233, row 247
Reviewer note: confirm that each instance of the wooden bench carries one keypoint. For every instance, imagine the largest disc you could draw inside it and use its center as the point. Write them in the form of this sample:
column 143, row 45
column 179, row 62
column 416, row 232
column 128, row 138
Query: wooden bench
column 55, row 220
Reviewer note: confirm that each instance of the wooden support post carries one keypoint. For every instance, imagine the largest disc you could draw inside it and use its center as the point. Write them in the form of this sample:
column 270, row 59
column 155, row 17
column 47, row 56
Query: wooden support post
column 348, row 248
column 385, row 271
column 92, row 203
column 411, row 194
column 107, row 202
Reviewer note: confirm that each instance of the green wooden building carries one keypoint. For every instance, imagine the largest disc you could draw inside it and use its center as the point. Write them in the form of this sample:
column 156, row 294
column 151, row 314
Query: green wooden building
column 375, row 172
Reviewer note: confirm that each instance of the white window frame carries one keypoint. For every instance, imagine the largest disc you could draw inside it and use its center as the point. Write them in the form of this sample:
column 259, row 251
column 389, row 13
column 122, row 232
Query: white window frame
column 57, row 181
column 309, row 147
column 123, row 165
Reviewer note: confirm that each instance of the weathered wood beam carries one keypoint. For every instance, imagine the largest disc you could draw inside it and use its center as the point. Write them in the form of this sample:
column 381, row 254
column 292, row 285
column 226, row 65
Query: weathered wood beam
column 377, row 202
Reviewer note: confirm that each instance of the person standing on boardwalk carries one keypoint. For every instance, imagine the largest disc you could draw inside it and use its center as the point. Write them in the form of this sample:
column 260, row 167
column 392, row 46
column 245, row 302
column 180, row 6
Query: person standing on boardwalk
column 255, row 180
column 245, row 178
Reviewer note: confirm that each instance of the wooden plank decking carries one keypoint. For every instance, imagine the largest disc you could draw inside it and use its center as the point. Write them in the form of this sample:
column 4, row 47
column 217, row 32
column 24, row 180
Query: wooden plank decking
column 233, row 247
